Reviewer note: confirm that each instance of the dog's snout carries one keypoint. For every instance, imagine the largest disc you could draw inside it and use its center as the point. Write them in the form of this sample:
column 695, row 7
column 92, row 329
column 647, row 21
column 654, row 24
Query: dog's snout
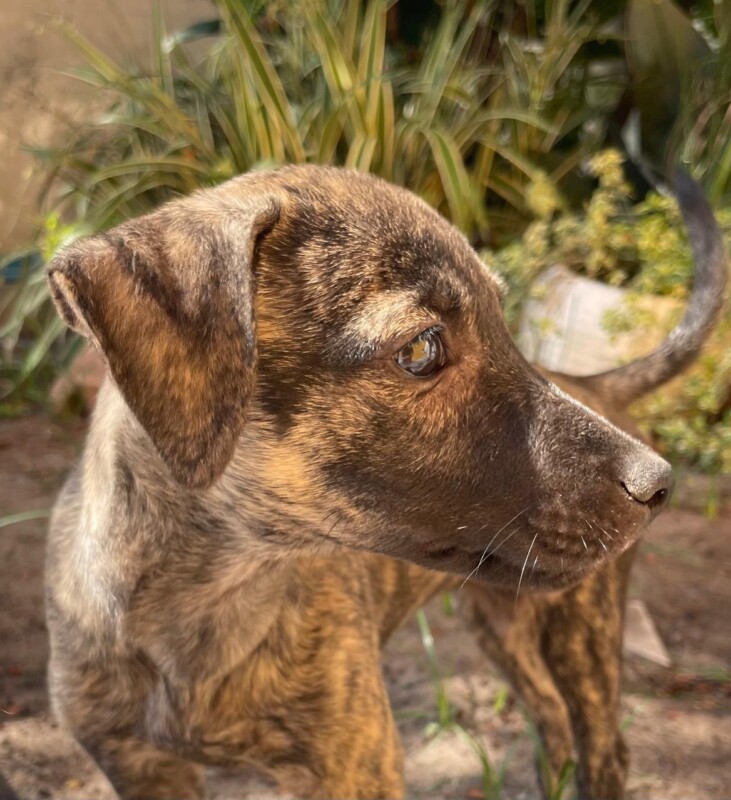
column 648, row 480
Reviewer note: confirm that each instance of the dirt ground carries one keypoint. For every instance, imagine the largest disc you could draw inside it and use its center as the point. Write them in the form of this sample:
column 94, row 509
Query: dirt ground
column 678, row 720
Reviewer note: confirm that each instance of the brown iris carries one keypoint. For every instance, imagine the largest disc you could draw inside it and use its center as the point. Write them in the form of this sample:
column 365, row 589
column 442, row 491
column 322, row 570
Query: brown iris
column 423, row 356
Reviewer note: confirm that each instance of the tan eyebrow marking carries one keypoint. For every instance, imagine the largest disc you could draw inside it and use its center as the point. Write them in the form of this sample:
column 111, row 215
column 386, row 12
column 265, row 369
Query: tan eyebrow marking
column 381, row 319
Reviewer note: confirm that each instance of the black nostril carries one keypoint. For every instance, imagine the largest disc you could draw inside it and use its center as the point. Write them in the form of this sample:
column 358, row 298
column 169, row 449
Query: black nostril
column 658, row 500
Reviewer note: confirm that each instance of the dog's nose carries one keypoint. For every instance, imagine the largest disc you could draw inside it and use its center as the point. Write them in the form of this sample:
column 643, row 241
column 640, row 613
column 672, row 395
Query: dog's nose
column 648, row 480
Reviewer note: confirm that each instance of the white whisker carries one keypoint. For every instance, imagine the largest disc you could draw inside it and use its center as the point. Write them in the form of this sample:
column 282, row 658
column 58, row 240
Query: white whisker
column 520, row 580
column 611, row 539
column 485, row 554
column 502, row 541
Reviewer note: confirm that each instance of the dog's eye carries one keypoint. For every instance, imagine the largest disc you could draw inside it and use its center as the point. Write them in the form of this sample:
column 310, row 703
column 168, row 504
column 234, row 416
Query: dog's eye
column 423, row 356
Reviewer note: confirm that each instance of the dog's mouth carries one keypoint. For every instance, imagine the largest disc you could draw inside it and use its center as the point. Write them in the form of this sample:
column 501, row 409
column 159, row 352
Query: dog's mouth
column 551, row 551
column 529, row 566
column 534, row 573
column 486, row 567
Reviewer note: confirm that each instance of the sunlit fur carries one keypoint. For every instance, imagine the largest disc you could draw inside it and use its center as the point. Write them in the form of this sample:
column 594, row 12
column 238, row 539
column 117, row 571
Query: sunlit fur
column 264, row 494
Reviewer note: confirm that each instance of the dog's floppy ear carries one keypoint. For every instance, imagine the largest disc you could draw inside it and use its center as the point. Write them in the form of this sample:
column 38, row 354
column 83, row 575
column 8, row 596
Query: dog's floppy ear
column 168, row 299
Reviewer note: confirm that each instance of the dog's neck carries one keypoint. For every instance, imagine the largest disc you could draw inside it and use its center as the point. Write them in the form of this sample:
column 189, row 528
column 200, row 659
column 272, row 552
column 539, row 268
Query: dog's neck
column 223, row 548
column 246, row 508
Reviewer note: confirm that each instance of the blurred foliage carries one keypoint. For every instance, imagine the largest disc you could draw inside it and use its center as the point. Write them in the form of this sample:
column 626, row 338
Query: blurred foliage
column 466, row 124
column 680, row 66
column 25, row 311
column 643, row 248
column 488, row 110
column 466, row 121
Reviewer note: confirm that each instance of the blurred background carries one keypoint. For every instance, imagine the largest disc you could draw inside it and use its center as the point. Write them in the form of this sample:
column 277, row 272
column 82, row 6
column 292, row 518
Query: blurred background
column 544, row 130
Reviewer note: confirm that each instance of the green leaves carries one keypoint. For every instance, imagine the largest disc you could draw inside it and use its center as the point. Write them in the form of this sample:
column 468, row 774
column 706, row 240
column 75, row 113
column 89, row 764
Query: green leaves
column 681, row 85
column 277, row 129
column 489, row 107
column 317, row 83
column 454, row 178
column 664, row 51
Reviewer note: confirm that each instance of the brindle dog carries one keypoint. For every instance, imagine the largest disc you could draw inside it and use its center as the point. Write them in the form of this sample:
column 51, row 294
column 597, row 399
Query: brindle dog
column 316, row 418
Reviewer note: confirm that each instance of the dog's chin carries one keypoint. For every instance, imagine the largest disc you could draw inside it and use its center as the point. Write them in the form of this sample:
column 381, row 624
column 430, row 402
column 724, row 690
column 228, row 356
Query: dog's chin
column 545, row 558
column 502, row 572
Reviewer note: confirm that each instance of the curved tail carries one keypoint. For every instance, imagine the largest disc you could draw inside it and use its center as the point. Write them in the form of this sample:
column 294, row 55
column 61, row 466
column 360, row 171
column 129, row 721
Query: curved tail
column 684, row 343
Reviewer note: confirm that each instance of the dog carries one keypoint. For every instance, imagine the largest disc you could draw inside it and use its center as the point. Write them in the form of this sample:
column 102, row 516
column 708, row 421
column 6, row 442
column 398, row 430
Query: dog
column 316, row 420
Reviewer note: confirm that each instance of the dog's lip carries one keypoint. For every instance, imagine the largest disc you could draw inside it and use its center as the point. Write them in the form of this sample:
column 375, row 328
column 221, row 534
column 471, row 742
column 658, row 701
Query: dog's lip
column 478, row 562
column 555, row 566
column 500, row 569
column 456, row 559
column 543, row 577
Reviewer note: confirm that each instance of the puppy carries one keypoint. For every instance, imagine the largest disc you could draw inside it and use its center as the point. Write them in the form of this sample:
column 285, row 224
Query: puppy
column 316, row 417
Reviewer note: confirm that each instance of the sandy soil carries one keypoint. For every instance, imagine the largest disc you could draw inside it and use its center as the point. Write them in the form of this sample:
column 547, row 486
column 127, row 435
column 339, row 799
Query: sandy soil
column 678, row 720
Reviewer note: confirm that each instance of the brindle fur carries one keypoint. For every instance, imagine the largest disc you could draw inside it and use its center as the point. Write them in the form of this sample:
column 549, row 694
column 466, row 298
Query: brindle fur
column 264, row 496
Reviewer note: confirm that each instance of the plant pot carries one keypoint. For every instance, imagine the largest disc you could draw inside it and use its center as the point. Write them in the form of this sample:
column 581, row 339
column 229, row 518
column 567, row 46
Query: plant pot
column 564, row 326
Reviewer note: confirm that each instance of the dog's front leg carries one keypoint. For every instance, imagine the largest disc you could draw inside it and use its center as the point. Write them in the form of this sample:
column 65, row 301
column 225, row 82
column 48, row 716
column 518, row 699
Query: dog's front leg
column 510, row 633
column 366, row 760
column 562, row 655
column 103, row 717
column 103, row 706
column 582, row 644
column 341, row 729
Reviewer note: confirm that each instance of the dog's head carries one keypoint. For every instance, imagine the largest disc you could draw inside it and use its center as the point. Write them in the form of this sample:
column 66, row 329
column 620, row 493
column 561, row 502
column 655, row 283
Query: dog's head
column 330, row 335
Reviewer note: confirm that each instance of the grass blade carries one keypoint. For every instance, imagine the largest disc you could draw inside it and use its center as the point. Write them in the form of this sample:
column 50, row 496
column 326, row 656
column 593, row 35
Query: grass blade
column 268, row 85
column 24, row 516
